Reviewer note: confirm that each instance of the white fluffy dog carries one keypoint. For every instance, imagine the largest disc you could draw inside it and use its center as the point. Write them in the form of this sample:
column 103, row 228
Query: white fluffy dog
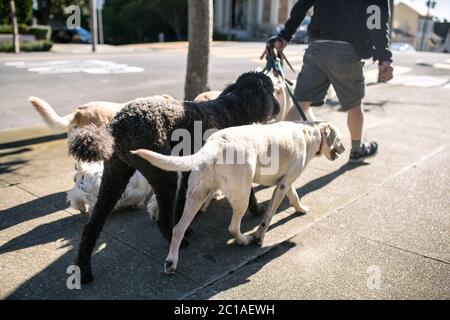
column 88, row 176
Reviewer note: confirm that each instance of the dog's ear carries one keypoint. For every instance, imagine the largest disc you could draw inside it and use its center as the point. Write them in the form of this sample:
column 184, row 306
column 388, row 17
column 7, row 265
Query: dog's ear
column 333, row 138
column 328, row 132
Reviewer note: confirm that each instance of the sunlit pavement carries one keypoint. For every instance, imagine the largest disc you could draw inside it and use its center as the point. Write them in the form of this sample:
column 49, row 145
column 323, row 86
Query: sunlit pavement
column 378, row 230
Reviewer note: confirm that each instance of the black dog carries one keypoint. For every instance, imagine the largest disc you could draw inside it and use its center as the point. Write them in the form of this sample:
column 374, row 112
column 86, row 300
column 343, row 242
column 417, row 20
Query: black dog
column 149, row 124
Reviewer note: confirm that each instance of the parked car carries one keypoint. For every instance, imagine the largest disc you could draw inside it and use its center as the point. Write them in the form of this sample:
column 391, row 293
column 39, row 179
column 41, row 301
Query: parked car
column 301, row 35
column 402, row 47
column 77, row 35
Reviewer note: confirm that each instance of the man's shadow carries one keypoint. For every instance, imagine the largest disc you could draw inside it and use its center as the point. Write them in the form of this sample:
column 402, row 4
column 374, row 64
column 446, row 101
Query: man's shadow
column 309, row 187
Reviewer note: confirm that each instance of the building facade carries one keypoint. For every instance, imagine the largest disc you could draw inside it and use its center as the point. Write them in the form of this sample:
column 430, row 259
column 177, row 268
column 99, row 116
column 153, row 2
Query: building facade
column 250, row 19
column 412, row 26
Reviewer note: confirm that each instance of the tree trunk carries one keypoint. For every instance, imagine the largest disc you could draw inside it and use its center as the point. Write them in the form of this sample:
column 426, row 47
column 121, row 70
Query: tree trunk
column 16, row 41
column 200, row 36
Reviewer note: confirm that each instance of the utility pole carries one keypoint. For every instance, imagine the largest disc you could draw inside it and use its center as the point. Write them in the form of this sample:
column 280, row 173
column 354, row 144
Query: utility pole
column 16, row 41
column 94, row 33
column 430, row 4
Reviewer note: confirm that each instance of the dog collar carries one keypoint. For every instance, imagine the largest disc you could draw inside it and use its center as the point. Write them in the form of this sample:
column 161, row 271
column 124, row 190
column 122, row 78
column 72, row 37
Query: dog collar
column 321, row 143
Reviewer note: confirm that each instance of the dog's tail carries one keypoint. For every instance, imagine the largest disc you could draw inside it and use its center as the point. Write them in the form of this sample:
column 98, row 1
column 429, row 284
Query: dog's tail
column 53, row 120
column 91, row 144
column 175, row 163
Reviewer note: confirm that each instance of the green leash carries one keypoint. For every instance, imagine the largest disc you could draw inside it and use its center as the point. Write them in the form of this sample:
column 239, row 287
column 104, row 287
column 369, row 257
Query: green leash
column 275, row 65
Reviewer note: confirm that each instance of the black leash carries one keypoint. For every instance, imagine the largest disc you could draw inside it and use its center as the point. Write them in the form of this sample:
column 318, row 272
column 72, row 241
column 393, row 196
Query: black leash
column 275, row 65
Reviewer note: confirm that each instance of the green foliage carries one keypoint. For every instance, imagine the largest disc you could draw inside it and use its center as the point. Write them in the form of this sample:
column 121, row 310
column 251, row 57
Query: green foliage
column 23, row 11
column 42, row 45
column 40, row 32
column 55, row 12
column 134, row 21
column 7, row 28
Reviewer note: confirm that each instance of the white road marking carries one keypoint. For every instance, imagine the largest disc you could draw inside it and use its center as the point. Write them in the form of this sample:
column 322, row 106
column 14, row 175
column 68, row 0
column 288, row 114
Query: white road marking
column 90, row 66
column 445, row 66
column 419, row 81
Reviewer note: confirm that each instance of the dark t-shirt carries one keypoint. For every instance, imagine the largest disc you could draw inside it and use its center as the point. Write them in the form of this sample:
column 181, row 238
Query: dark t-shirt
column 346, row 20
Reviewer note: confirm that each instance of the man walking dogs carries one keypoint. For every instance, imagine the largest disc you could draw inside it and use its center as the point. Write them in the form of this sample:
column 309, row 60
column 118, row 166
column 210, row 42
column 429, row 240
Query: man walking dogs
column 342, row 33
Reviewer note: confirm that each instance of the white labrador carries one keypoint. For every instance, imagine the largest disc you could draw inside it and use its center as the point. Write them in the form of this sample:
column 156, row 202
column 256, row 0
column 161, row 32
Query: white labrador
column 233, row 158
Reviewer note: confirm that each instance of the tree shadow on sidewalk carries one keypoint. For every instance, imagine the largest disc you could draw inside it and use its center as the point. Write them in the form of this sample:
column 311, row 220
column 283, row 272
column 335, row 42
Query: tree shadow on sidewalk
column 30, row 210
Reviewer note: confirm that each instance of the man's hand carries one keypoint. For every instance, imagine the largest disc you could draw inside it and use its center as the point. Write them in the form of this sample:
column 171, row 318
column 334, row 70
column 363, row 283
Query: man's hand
column 278, row 42
column 386, row 71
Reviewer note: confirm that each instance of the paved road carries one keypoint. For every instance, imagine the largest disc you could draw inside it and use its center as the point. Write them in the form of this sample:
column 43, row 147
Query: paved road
column 160, row 69
column 163, row 72
column 378, row 230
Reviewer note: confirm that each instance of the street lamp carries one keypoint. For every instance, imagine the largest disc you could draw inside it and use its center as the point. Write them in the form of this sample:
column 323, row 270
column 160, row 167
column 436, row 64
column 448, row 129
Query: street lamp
column 430, row 5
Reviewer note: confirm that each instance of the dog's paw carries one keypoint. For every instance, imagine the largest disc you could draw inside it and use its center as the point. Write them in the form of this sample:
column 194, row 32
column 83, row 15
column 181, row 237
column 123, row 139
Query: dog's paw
column 258, row 211
column 250, row 238
column 245, row 240
column 85, row 271
column 257, row 241
column 258, row 237
column 302, row 209
column 152, row 209
column 169, row 267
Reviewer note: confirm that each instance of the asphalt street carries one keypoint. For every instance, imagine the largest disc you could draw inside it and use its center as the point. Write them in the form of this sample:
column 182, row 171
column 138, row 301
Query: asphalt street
column 149, row 70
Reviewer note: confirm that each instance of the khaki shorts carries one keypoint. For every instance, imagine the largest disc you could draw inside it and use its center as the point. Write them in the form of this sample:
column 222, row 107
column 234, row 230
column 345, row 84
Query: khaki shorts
column 335, row 63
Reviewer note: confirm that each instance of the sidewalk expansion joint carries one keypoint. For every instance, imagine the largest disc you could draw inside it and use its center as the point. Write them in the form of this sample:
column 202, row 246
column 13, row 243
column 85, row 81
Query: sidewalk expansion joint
column 406, row 250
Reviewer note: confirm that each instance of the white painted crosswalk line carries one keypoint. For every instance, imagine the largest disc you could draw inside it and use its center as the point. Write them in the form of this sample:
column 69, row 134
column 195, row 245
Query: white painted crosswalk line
column 90, row 66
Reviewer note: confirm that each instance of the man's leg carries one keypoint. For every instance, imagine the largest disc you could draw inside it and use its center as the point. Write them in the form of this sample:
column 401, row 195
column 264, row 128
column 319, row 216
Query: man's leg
column 312, row 83
column 346, row 74
column 293, row 114
column 355, row 123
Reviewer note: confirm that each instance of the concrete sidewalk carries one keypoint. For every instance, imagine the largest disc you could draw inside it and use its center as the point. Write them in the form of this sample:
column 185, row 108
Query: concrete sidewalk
column 387, row 220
